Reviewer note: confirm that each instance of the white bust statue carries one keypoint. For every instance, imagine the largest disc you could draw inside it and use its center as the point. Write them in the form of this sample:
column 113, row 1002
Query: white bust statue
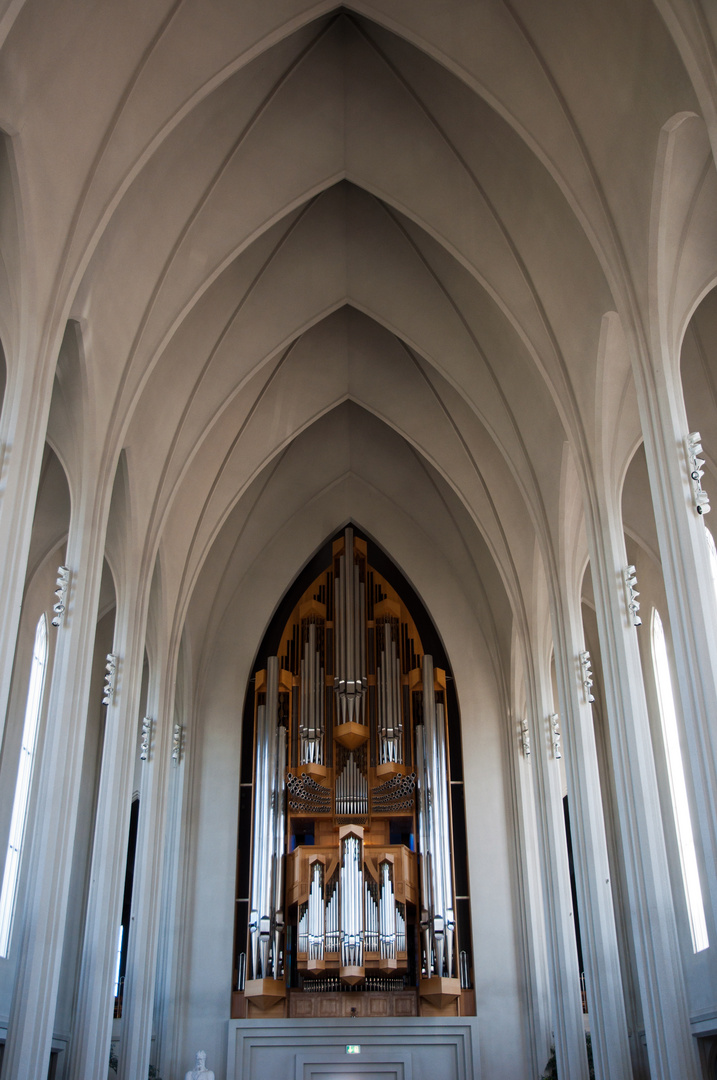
column 200, row 1070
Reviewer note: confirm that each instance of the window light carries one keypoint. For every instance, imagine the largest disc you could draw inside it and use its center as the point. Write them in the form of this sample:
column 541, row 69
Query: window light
column 118, row 963
column 713, row 558
column 8, row 894
column 678, row 788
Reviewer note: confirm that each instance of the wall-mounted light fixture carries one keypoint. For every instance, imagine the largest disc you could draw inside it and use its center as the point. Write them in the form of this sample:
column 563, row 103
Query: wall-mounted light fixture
column 555, row 731
column 176, row 743
column 110, row 673
column 61, row 587
column 525, row 737
column 633, row 604
column 586, row 665
column 693, row 445
column 146, row 738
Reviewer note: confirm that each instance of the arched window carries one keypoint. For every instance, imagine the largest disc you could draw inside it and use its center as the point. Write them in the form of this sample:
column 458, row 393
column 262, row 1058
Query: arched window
column 678, row 787
column 8, row 894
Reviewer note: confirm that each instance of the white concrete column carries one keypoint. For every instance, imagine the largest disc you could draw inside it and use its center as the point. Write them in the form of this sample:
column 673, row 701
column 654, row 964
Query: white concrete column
column 140, row 974
column 691, row 606
column 22, row 441
column 92, row 1027
column 27, row 1050
column 598, row 935
column 671, row 1049
column 570, row 1051
column 167, row 1019
column 534, row 951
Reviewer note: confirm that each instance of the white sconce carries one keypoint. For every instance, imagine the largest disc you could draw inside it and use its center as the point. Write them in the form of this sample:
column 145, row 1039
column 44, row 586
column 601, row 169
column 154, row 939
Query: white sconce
column 693, row 446
column 633, row 605
column 61, row 587
column 555, row 728
column 110, row 673
column 586, row 665
column 176, row 743
column 525, row 737
column 146, row 738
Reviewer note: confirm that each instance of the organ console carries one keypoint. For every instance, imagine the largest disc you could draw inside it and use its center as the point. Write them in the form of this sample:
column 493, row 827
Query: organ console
column 351, row 868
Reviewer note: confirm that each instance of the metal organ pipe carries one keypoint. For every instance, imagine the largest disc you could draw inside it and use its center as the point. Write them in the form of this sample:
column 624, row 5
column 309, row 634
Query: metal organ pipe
column 351, row 878
column 266, row 920
column 351, row 790
column 388, row 914
column 390, row 727
column 316, row 913
column 434, row 829
column 350, row 681
column 400, row 930
column 371, row 921
column 445, row 838
column 423, row 848
column 311, row 727
column 332, row 922
column 279, row 814
column 303, row 929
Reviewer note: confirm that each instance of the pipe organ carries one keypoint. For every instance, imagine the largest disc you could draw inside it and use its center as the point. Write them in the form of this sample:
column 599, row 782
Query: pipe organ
column 352, row 873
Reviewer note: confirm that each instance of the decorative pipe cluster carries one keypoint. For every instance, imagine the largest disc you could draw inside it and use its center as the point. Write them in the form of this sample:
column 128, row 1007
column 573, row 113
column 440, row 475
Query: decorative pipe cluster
column 388, row 680
column 321, row 930
column 323, row 986
column 351, row 886
column 316, row 913
column 350, row 681
column 108, row 691
column 394, row 788
column 61, row 587
column 313, row 702
column 437, row 914
column 586, row 665
column 373, row 927
column 307, row 795
column 351, row 790
column 387, row 914
column 303, row 928
column 693, row 445
column 332, row 920
column 266, row 919
column 372, row 983
column 633, row 604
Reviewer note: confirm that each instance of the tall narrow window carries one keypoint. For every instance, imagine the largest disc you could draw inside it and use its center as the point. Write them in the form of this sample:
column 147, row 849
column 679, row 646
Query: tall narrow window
column 8, row 894
column 678, row 787
column 713, row 558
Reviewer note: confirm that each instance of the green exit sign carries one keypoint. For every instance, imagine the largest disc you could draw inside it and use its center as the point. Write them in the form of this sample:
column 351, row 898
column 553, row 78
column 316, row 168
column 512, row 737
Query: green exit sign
column 353, row 1048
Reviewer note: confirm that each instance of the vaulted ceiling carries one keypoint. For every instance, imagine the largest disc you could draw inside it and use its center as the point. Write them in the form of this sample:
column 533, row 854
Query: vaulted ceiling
column 309, row 250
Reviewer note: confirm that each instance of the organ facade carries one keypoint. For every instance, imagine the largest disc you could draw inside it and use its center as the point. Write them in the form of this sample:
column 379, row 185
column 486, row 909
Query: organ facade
column 348, row 865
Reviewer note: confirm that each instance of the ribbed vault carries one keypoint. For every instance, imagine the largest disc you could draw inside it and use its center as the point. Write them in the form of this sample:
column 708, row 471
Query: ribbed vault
column 440, row 270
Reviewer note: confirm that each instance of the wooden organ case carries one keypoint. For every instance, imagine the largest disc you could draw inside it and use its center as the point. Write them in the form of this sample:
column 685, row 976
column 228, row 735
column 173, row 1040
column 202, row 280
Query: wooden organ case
column 351, row 890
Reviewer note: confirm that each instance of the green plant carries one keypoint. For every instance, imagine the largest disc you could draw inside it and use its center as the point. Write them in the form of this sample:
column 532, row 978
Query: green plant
column 151, row 1075
column 550, row 1072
